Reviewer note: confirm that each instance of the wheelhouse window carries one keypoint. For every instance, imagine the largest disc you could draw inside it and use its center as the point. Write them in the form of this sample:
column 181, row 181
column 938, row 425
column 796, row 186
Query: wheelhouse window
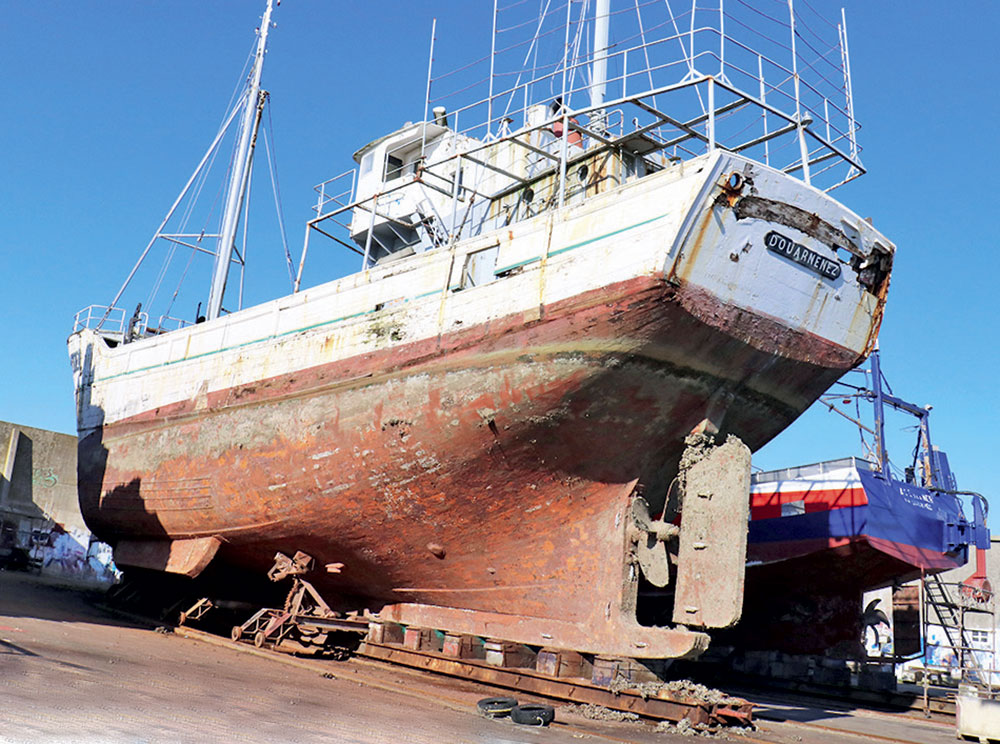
column 393, row 167
column 366, row 164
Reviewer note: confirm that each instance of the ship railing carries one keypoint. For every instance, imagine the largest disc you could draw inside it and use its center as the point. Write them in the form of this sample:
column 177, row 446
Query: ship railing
column 795, row 133
column 809, row 470
column 788, row 71
column 335, row 192
column 431, row 180
column 111, row 322
column 335, row 197
column 167, row 323
column 774, row 87
column 619, row 121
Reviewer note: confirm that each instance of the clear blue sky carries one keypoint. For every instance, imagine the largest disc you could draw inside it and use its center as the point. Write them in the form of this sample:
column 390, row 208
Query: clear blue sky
column 107, row 106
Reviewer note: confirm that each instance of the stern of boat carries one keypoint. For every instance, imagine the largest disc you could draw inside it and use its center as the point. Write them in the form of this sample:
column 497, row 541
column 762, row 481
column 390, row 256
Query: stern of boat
column 763, row 251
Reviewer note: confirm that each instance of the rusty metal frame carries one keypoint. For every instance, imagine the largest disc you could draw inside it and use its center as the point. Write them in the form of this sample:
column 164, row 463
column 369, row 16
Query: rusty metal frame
column 645, row 102
column 662, row 706
column 619, row 636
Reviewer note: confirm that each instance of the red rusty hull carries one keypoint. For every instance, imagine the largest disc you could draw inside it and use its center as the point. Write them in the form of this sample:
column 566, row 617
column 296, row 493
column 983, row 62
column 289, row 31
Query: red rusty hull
column 483, row 469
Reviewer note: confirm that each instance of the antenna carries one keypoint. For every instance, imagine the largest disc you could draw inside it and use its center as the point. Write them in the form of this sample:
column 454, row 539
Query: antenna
column 252, row 107
column 599, row 82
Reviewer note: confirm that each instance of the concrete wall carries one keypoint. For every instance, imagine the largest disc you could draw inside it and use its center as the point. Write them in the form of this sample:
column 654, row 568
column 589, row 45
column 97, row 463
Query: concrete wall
column 39, row 508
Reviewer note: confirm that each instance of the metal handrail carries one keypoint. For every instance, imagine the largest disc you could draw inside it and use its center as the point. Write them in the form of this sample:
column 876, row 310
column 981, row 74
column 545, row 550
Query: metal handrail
column 110, row 321
column 92, row 316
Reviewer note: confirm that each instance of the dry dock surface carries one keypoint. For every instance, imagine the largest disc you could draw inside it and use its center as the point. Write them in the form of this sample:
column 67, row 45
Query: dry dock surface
column 70, row 672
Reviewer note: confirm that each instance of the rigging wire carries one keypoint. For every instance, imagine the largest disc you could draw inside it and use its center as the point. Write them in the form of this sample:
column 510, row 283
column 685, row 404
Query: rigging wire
column 236, row 96
column 645, row 51
column 180, row 282
column 185, row 217
column 532, row 48
column 272, row 166
column 505, row 8
column 183, row 222
column 689, row 58
column 188, row 211
column 208, row 218
column 575, row 46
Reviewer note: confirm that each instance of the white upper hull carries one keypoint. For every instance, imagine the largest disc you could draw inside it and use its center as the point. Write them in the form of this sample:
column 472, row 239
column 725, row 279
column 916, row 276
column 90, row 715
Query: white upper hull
column 666, row 224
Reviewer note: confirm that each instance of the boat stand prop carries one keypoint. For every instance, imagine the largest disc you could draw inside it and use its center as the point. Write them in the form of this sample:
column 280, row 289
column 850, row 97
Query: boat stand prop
column 306, row 622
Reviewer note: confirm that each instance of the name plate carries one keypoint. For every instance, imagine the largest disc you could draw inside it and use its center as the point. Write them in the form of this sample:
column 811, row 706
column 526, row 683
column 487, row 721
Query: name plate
column 783, row 246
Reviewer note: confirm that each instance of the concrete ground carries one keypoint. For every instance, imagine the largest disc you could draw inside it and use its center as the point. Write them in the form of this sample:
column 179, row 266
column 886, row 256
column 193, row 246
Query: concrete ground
column 70, row 672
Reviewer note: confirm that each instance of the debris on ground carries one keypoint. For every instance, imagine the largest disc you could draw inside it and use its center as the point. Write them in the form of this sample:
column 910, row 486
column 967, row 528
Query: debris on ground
column 681, row 687
column 599, row 712
column 684, row 727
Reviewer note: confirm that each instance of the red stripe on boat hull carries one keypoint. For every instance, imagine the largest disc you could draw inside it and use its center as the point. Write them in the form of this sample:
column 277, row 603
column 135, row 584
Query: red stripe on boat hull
column 768, row 505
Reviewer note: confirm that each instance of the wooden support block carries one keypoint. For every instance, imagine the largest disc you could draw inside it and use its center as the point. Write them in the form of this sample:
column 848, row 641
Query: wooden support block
column 420, row 639
column 505, row 654
column 608, row 669
column 560, row 663
column 457, row 646
column 605, row 670
column 385, row 632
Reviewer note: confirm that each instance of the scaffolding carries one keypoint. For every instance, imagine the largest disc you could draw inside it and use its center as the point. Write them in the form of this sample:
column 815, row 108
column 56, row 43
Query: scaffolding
column 566, row 86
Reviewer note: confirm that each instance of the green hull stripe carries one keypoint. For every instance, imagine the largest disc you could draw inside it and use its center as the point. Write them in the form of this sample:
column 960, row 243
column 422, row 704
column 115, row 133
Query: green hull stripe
column 369, row 312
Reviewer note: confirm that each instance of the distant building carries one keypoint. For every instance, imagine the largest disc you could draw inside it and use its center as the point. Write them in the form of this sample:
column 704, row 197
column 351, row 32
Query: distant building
column 41, row 527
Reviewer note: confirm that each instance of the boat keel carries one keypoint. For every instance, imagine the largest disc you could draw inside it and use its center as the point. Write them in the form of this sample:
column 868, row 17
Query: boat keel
column 185, row 557
column 617, row 635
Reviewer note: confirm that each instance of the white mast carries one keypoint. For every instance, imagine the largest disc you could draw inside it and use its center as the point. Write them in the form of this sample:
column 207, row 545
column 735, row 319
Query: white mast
column 599, row 77
column 238, row 179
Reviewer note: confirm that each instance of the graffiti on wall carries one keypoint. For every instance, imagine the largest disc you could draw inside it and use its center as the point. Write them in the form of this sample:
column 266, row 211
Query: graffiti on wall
column 44, row 477
column 58, row 551
column 73, row 553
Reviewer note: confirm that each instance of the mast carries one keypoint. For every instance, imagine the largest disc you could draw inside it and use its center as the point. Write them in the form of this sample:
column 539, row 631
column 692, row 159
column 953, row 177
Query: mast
column 879, row 401
column 599, row 77
column 240, row 172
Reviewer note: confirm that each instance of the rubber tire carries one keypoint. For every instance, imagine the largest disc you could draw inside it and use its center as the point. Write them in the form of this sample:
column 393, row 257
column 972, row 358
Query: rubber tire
column 236, row 633
column 259, row 639
column 496, row 707
column 531, row 714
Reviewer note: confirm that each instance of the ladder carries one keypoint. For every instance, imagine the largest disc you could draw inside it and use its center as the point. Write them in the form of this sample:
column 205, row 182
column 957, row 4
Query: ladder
column 950, row 603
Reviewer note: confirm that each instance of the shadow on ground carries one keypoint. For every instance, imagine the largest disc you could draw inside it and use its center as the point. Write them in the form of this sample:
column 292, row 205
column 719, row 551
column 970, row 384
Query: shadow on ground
column 27, row 595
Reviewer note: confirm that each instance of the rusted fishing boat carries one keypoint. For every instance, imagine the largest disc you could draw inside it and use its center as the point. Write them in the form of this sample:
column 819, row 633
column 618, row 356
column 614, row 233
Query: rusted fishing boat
column 482, row 425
